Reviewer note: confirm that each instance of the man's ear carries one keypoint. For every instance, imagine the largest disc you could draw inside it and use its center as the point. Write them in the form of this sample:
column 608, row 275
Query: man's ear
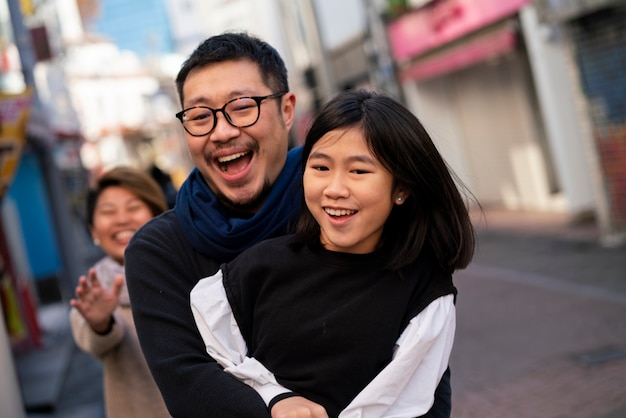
column 288, row 109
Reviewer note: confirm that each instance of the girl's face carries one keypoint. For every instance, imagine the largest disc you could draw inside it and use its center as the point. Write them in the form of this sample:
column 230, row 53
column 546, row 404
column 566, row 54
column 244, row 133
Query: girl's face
column 117, row 215
column 348, row 192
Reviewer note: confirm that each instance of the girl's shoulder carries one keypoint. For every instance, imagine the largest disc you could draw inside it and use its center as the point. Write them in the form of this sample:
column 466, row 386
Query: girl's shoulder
column 271, row 256
column 270, row 247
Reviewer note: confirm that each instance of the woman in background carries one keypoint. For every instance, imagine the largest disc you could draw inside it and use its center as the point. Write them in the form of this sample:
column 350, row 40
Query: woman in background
column 122, row 201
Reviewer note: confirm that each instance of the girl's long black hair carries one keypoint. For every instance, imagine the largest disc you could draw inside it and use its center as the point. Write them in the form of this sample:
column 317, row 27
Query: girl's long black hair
column 434, row 218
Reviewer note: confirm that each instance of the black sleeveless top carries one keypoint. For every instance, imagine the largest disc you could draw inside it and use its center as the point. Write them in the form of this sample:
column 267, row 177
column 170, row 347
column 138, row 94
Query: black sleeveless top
column 326, row 323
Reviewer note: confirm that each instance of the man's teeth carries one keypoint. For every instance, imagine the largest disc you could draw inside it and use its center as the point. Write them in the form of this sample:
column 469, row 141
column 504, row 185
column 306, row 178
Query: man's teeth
column 231, row 157
column 223, row 161
column 339, row 212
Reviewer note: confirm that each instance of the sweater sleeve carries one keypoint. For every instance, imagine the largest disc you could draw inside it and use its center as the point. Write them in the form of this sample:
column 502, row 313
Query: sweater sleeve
column 161, row 269
column 223, row 339
column 406, row 386
column 90, row 341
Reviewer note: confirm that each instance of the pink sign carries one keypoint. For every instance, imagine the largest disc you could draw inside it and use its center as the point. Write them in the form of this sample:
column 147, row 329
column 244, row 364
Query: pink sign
column 443, row 21
column 474, row 51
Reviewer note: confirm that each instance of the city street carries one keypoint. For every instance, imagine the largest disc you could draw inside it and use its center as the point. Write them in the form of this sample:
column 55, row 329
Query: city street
column 541, row 323
column 541, row 329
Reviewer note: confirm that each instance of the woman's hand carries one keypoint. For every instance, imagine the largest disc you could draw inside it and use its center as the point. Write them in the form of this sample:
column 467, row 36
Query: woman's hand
column 95, row 303
column 298, row 407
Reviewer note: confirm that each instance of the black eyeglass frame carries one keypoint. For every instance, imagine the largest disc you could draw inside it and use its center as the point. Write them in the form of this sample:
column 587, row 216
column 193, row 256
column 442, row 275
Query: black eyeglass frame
column 257, row 99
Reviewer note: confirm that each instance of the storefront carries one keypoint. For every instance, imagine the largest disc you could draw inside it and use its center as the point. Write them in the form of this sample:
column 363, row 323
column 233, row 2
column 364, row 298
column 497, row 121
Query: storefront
column 597, row 32
column 467, row 71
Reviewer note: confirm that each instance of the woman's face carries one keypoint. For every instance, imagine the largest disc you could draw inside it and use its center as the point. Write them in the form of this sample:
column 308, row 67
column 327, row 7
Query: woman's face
column 348, row 192
column 117, row 216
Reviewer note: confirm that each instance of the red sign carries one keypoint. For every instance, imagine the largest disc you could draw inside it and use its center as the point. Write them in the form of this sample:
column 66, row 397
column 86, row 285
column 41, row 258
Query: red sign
column 443, row 21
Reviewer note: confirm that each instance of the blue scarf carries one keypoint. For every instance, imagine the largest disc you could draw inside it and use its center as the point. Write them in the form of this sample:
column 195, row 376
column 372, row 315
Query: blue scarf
column 212, row 230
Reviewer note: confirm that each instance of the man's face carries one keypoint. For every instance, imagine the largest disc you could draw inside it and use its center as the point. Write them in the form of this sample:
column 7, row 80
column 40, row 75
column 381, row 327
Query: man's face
column 238, row 164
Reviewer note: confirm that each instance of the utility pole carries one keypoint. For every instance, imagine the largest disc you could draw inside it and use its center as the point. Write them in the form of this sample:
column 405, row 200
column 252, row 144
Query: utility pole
column 42, row 141
column 10, row 391
column 381, row 66
column 323, row 79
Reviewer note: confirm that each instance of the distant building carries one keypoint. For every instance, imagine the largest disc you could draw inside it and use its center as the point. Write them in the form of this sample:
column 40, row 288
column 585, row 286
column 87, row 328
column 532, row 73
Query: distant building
column 516, row 95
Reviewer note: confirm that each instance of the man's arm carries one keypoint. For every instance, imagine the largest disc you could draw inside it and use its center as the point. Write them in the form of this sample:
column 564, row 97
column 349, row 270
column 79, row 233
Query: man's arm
column 223, row 340
column 161, row 269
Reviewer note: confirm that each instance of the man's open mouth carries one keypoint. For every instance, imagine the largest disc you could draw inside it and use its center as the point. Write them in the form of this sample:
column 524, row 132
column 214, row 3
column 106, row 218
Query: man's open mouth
column 234, row 163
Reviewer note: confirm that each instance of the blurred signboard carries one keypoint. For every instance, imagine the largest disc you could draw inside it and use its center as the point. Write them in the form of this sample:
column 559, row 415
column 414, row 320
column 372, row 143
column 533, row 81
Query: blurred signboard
column 14, row 110
column 443, row 21
column 497, row 41
column 41, row 43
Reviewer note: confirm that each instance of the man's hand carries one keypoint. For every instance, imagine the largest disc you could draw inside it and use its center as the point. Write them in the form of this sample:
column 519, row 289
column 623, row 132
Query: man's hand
column 95, row 303
column 298, row 407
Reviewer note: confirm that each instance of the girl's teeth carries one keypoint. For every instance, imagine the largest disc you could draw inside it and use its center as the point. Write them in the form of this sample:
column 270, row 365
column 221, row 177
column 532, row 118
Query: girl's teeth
column 339, row 212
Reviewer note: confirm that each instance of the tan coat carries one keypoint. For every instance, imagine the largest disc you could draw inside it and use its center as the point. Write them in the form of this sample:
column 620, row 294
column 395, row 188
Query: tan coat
column 129, row 389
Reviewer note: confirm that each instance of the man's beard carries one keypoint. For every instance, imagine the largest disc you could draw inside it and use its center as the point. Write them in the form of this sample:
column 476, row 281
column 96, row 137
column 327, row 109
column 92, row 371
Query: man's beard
column 250, row 207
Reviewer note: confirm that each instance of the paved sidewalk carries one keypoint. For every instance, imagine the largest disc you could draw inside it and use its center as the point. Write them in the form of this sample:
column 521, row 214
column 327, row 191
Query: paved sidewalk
column 541, row 330
column 58, row 380
column 541, row 322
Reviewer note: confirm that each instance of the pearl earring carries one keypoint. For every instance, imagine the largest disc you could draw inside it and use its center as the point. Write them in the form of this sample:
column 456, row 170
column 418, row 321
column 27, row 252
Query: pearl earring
column 96, row 242
column 399, row 198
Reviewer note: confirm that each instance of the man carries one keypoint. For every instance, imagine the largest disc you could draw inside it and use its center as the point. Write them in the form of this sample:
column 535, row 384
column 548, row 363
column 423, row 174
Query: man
column 237, row 113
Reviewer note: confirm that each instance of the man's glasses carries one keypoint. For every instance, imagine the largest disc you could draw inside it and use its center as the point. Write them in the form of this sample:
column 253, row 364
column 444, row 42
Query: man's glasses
column 240, row 113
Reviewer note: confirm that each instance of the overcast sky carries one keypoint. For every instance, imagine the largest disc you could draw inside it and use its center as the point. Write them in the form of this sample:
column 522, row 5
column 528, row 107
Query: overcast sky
column 339, row 20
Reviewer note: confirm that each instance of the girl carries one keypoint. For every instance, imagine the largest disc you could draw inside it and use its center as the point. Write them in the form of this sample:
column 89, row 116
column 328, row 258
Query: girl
column 353, row 316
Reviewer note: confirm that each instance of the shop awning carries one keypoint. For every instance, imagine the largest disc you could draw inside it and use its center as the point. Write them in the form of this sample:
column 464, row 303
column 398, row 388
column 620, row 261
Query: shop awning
column 462, row 55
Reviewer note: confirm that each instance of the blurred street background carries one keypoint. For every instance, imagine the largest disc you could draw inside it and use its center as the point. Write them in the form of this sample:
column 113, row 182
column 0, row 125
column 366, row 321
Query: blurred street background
column 525, row 99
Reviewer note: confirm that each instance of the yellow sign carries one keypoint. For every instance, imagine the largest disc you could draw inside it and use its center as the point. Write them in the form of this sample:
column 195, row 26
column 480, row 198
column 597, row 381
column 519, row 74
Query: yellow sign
column 14, row 109
column 27, row 7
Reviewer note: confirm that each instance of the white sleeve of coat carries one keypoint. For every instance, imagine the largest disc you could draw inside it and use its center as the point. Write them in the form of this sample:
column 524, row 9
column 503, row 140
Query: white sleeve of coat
column 406, row 386
column 223, row 340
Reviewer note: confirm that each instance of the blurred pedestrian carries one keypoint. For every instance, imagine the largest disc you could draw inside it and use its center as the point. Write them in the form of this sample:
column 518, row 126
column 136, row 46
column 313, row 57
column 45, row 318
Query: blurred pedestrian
column 355, row 312
column 122, row 201
column 164, row 180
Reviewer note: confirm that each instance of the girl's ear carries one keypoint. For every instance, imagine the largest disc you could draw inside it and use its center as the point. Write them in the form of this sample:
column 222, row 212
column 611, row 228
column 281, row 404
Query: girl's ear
column 400, row 196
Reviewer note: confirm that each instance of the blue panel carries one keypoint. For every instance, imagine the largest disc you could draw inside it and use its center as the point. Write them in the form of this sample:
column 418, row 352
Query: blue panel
column 141, row 26
column 29, row 193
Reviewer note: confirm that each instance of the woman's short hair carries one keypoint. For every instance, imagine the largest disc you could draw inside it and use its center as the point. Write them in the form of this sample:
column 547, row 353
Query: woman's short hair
column 132, row 179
